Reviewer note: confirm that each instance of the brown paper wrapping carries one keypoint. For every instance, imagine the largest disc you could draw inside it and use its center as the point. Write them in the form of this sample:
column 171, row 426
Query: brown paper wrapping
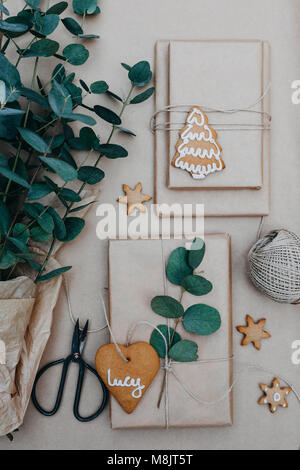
column 217, row 203
column 25, row 320
column 136, row 275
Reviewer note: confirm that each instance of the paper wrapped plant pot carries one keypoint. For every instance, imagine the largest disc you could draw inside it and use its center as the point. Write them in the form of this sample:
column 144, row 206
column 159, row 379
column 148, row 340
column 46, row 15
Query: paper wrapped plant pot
column 274, row 266
column 26, row 312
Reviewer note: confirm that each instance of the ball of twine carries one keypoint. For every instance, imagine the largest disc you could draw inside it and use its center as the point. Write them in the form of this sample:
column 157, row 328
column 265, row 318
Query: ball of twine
column 274, row 266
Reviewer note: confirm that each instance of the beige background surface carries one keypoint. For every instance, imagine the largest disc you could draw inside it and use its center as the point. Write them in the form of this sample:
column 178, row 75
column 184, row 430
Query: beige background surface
column 129, row 29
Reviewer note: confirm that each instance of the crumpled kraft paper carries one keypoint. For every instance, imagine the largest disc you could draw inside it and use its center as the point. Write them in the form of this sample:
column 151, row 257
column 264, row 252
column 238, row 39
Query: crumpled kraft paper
column 26, row 311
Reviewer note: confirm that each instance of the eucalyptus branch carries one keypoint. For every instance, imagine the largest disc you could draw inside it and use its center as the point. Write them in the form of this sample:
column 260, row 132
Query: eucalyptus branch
column 199, row 319
column 59, row 97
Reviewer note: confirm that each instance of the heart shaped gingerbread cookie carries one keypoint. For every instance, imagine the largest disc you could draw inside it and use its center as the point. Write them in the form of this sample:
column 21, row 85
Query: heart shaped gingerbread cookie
column 127, row 381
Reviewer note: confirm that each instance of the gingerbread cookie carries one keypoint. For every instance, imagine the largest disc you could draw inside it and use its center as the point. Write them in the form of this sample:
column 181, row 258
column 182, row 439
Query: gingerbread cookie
column 197, row 150
column 274, row 396
column 134, row 198
column 254, row 332
column 127, row 381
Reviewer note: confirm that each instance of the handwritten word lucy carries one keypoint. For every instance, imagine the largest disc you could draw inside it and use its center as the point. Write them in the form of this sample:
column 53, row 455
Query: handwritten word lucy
column 127, row 382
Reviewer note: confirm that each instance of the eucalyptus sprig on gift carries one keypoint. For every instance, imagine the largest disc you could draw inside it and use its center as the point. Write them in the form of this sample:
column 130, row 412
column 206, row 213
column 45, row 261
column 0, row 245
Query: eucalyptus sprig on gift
column 37, row 140
column 200, row 319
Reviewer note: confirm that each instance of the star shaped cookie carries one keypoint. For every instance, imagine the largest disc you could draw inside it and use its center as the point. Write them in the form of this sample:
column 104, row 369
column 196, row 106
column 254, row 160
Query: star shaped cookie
column 274, row 396
column 254, row 332
column 134, row 198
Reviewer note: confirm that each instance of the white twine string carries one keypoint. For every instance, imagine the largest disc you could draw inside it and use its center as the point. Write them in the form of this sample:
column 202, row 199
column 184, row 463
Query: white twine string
column 169, row 363
column 168, row 367
column 72, row 318
column 208, row 109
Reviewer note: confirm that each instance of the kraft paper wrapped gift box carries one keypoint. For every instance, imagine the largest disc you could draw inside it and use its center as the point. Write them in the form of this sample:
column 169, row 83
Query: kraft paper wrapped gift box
column 221, row 74
column 136, row 275
column 243, row 188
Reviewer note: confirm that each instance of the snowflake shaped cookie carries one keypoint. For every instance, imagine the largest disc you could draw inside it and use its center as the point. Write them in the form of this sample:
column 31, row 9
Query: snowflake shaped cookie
column 275, row 396
column 254, row 332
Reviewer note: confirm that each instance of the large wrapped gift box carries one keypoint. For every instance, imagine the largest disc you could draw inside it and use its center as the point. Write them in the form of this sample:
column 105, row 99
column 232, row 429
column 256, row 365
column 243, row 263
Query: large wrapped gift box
column 136, row 275
column 216, row 75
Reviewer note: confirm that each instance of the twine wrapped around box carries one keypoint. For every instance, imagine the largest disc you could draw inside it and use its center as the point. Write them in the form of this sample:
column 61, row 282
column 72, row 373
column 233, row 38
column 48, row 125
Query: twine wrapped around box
column 274, row 266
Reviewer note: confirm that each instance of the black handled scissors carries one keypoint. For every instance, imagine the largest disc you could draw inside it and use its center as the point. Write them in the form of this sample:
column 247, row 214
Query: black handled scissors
column 78, row 343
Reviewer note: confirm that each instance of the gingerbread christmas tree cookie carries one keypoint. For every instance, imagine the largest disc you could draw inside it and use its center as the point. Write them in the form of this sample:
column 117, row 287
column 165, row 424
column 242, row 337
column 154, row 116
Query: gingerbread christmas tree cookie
column 197, row 149
column 254, row 332
column 274, row 396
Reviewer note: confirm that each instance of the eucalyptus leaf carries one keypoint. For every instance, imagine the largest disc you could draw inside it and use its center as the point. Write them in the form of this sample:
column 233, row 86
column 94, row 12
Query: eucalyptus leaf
column 39, row 235
column 69, row 195
column 47, row 24
column 72, row 26
column 202, row 320
column 8, row 259
column 7, row 112
column 76, row 54
column 10, row 175
column 82, row 7
column 9, row 73
column 59, row 231
column 88, row 138
column 99, row 87
column 21, row 232
column 112, row 151
column 57, row 9
column 34, row 140
column 114, row 95
column 42, row 48
column 158, row 343
column 90, row 174
column 4, row 9
column 74, row 226
column 140, row 74
column 196, row 285
column 89, row 36
column 33, row 95
column 38, row 191
column 88, row 120
column 107, row 115
column 196, row 253
column 5, row 218
column 2, row 90
column 80, row 208
column 126, row 131
column 143, row 96
column 167, row 307
column 63, row 169
column 184, row 351
column 5, row 26
column 52, row 274
column 46, row 223
column 126, row 66
column 60, row 99
column 33, row 3
column 178, row 267
column 84, row 85
column 18, row 244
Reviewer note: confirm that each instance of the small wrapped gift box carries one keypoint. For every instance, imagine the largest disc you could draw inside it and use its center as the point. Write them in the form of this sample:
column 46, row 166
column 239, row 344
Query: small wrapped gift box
column 222, row 74
column 215, row 75
column 136, row 275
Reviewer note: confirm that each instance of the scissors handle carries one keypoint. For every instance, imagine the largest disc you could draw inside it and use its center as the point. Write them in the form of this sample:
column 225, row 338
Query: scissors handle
column 82, row 366
column 44, row 369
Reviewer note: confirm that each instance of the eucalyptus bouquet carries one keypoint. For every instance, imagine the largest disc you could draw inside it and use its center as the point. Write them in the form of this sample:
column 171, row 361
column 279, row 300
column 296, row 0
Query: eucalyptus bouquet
column 199, row 319
column 37, row 140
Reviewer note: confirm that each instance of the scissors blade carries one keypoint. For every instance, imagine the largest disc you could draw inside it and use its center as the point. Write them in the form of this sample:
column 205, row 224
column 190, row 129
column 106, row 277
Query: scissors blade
column 83, row 335
column 76, row 338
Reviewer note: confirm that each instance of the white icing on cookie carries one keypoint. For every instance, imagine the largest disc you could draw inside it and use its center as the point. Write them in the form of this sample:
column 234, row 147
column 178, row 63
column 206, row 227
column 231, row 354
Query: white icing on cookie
column 127, row 382
column 186, row 149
